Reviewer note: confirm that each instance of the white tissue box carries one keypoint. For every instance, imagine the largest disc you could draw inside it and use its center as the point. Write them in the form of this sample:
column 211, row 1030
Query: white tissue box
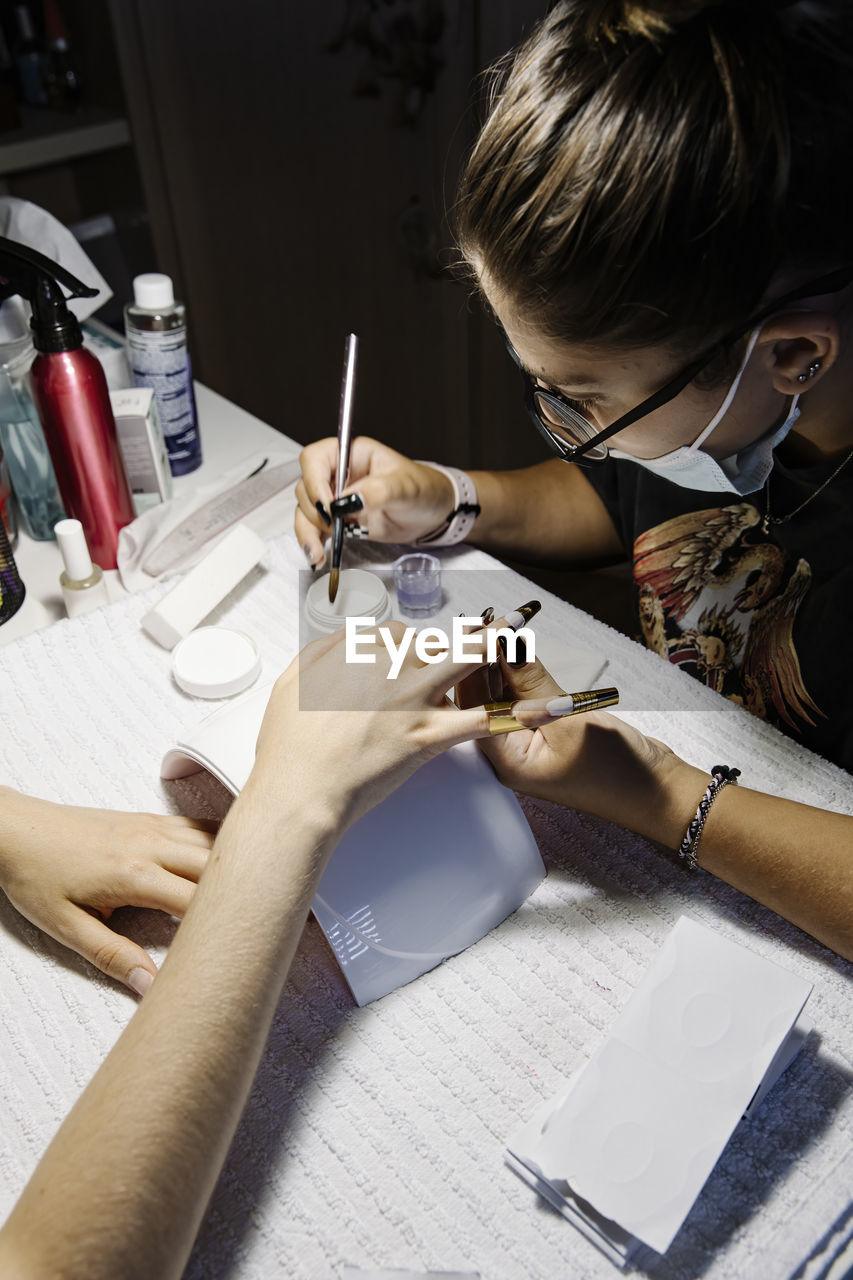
column 626, row 1148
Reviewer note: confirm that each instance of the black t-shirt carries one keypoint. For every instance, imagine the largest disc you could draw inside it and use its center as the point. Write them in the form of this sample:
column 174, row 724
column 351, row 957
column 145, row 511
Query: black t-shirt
column 764, row 618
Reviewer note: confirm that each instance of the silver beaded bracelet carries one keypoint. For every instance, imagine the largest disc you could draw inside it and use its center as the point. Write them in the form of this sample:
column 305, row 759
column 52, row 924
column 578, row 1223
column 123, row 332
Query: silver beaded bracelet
column 721, row 774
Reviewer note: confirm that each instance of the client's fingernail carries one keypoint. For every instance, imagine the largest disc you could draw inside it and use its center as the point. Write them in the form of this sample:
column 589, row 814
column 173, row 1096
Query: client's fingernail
column 495, row 680
column 520, row 651
column 309, row 555
column 487, row 616
column 348, row 505
column 323, row 512
column 519, row 616
column 569, row 704
column 140, row 980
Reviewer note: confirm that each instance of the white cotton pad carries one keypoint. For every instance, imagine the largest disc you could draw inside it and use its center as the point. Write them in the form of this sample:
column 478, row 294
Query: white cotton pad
column 215, row 662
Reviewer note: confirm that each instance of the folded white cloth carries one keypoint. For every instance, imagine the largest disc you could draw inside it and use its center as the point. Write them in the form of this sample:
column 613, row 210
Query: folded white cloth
column 142, row 536
column 28, row 224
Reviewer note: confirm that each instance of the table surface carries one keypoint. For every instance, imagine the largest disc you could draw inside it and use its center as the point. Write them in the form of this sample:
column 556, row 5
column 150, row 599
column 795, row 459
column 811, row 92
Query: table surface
column 375, row 1136
column 228, row 434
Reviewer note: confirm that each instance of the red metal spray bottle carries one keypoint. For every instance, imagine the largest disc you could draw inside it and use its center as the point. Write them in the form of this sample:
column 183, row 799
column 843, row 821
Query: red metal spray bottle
column 70, row 393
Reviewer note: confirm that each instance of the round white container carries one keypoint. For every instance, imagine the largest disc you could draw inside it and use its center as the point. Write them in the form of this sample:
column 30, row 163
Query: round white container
column 360, row 595
column 216, row 662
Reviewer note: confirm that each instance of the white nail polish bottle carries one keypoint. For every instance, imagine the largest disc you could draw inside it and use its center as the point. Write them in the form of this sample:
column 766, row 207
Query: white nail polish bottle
column 82, row 583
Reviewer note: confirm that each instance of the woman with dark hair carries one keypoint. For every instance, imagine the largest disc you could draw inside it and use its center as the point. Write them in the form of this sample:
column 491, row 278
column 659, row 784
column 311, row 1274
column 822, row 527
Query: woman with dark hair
column 655, row 212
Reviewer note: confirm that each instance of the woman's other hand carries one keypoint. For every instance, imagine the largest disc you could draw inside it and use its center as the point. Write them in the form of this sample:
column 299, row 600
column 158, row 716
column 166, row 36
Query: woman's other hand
column 594, row 761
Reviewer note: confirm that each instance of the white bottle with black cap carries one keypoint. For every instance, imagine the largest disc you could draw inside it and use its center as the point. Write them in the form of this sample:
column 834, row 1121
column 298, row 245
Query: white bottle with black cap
column 156, row 329
column 83, row 584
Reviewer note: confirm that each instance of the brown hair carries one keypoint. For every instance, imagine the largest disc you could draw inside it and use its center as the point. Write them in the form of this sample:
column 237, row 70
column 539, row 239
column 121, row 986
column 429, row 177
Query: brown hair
column 646, row 168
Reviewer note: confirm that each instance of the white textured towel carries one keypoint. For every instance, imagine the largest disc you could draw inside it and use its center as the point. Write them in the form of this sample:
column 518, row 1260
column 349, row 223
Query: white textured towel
column 375, row 1136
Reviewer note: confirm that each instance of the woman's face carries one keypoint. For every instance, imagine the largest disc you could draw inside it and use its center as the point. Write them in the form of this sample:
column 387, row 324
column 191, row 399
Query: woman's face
column 605, row 383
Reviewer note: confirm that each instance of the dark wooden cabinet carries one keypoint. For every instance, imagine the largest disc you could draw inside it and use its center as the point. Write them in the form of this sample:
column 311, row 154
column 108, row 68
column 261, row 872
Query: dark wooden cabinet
column 297, row 180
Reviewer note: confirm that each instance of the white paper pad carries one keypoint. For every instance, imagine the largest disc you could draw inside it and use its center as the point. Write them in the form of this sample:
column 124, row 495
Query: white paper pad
column 627, row 1147
column 355, row 1273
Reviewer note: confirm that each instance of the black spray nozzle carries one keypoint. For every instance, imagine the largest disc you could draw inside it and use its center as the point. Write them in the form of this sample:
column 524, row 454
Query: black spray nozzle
column 37, row 278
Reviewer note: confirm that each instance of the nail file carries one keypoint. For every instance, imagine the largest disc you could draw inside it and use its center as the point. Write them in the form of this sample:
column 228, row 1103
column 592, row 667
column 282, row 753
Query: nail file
column 218, row 514
column 204, row 586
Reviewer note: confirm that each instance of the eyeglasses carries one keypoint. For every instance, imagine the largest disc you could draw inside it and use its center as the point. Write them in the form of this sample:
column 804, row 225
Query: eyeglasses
column 575, row 439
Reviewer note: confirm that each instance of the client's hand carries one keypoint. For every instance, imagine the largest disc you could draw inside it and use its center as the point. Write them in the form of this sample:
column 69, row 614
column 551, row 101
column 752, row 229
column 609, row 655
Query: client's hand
column 339, row 736
column 594, row 761
column 67, row 869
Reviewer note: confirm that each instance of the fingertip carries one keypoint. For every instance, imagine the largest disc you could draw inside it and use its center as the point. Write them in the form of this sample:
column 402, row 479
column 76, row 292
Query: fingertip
column 139, row 980
column 470, row 723
column 314, row 552
column 531, row 715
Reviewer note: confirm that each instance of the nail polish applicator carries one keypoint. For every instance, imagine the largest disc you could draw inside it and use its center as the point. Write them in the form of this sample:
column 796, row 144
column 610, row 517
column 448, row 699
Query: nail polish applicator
column 344, row 441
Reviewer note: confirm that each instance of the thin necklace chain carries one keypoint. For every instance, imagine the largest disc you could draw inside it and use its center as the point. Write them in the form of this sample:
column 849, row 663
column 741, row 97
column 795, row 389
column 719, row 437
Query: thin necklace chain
column 769, row 519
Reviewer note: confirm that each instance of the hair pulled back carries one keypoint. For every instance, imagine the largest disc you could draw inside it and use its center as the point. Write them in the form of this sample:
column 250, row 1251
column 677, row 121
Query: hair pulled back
column 646, row 168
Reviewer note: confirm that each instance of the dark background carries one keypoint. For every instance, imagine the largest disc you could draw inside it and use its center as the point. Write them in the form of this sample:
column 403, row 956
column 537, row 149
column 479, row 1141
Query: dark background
column 291, row 166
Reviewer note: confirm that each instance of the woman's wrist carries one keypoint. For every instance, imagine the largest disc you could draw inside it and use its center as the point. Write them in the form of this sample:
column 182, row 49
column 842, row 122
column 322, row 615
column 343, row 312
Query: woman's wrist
column 457, row 520
column 309, row 818
column 679, row 788
column 649, row 789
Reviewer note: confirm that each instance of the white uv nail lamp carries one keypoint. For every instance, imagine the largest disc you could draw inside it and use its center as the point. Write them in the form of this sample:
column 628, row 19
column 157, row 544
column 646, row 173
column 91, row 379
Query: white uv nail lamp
column 422, row 876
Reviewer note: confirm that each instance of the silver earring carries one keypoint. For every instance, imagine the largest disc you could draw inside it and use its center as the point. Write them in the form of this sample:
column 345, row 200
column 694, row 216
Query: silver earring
column 812, row 370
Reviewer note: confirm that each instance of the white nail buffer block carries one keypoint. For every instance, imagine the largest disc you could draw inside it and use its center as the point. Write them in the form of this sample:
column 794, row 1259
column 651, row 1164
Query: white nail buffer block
column 202, row 589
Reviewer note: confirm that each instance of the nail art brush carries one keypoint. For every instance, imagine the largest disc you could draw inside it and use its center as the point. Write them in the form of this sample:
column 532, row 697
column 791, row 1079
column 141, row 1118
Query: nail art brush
column 344, row 441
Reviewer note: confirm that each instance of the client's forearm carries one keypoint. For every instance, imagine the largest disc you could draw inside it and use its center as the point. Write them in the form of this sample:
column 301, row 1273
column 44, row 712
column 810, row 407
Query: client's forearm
column 165, row 1103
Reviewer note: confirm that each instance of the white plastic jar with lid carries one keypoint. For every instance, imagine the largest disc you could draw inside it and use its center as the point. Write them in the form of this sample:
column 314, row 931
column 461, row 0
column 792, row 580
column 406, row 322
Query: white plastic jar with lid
column 360, row 595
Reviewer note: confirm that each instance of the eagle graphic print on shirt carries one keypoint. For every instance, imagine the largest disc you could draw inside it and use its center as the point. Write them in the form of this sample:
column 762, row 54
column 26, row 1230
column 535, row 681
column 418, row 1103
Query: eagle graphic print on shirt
column 717, row 597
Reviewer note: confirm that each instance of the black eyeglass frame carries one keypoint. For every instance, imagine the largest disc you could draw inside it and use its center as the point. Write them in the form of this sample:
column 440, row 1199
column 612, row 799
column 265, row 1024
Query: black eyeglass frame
column 833, row 282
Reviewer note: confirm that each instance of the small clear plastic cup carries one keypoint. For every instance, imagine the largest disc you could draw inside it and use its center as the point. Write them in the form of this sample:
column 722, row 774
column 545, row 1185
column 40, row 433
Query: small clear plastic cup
column 417, row 580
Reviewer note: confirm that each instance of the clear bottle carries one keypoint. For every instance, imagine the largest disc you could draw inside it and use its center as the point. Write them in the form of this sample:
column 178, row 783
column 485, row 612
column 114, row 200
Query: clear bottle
column 12, row 589
column 22, row 439
column 8, row 513
column 156, row 330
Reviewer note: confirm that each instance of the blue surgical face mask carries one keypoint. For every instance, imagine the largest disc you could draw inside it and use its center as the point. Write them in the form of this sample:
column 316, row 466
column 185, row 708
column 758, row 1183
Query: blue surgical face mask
column 744, row 472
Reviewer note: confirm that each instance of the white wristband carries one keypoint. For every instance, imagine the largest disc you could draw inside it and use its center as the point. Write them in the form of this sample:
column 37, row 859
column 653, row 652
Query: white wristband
column 460, row 520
